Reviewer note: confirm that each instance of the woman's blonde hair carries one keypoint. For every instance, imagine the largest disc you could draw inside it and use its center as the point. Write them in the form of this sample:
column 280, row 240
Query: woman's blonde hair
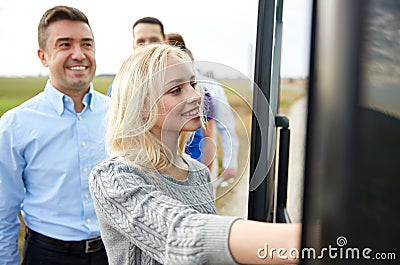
column 133, row 109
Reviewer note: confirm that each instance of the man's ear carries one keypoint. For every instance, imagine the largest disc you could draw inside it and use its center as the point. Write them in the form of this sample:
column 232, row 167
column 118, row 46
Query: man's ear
column 42, row 56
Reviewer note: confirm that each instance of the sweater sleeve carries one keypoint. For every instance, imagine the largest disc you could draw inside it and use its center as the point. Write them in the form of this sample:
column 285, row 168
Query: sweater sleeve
column 162, row 227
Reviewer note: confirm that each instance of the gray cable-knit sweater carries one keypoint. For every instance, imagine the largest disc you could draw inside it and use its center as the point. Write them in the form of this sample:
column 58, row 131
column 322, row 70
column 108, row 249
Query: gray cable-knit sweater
column 158, row 220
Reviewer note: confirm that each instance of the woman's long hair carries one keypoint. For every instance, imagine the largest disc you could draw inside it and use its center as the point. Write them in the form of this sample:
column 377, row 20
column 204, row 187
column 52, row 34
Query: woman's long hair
column 133, row 109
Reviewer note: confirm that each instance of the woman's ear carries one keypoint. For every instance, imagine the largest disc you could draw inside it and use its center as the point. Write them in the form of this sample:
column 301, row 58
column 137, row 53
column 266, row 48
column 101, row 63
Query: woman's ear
column 42, row 56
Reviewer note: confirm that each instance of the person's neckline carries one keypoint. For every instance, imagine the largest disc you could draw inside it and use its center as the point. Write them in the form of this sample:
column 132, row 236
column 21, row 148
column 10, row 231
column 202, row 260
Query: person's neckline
column 179, row 180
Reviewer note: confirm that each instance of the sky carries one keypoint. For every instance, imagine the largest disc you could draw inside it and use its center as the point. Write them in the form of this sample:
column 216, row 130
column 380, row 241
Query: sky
column 221, row 31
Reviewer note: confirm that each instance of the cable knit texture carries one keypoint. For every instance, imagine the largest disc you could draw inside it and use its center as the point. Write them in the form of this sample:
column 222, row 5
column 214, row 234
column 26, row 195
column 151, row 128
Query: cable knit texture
column 158, row 220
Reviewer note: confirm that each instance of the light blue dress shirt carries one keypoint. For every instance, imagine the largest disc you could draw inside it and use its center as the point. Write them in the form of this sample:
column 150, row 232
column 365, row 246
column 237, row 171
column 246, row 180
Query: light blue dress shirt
column 47, row 151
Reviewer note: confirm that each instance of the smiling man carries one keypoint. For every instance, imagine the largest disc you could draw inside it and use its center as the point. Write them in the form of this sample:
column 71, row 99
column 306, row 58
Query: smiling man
column 49, row 145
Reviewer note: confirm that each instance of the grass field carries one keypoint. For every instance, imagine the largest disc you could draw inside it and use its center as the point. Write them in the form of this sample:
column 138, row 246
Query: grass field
column 14, row 91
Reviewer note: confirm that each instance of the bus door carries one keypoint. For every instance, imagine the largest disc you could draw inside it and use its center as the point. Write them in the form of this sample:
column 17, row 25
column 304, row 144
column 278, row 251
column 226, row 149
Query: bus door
column 268, row 184
column 352, row 171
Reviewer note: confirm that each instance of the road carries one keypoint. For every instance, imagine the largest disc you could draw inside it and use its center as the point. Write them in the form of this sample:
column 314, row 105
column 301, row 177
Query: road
column 297, row 118
column 233, row 200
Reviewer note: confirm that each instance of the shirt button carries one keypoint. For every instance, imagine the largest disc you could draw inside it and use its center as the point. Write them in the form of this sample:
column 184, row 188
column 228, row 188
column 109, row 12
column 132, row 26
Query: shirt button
column 79, row 118
column 86, row 196
column 85, row 169
column 83, row 143
column 88, row 220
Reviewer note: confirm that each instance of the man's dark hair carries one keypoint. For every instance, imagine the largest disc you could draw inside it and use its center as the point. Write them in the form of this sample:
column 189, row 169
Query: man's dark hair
column 150, row 20
column 55, row 14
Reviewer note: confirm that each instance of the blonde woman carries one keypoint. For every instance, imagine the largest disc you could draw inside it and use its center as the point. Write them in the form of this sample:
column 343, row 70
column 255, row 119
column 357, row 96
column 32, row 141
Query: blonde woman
column 154, row 203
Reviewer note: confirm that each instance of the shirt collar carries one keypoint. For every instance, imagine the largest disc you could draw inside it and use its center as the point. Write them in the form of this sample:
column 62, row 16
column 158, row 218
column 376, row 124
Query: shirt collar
column 57, row 98
column 88, row 98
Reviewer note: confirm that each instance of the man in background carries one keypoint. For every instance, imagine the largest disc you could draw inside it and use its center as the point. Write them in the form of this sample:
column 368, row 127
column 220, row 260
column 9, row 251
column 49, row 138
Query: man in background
column 145, row 31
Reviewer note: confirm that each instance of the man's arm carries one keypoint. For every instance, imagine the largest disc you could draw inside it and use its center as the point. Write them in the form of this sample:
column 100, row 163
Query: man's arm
column 225, row 124
column 11, row 190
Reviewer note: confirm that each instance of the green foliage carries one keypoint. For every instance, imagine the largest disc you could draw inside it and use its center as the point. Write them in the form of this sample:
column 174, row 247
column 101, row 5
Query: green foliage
column 15, row 90
column 102, row 83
